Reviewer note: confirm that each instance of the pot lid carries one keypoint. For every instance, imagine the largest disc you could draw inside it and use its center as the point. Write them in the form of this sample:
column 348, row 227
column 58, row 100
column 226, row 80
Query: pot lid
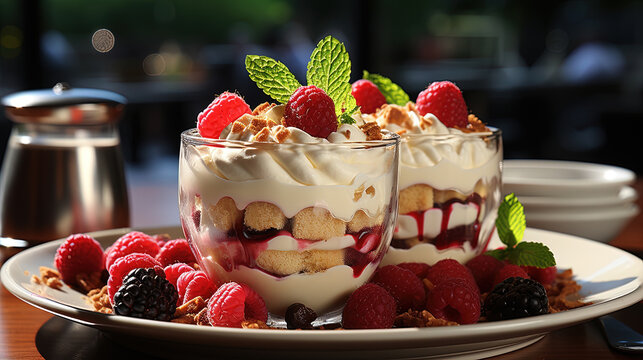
column 64, row 105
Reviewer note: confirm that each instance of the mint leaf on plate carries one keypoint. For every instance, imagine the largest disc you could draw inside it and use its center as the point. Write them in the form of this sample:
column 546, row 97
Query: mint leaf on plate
column 272, row 76
column 329, row 69
column 511, row 222
column 511, row 225
column 531, row 254
column 392, row 92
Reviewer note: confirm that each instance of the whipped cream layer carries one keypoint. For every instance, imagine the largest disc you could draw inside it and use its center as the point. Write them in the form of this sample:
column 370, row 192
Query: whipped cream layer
column 323, row 292
column 429, row 254
column 442, row 157
column 302, row 171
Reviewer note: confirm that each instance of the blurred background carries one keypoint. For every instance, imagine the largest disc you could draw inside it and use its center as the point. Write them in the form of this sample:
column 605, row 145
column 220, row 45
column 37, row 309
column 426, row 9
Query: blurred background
column 563, row 80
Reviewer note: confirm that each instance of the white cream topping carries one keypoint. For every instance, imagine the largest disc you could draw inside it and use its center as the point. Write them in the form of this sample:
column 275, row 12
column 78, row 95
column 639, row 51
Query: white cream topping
column 302, row 172
column 452, row 160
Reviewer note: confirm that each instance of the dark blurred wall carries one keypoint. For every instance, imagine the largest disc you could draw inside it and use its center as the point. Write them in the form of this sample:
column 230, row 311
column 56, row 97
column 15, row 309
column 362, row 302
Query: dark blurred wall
column 564, row 80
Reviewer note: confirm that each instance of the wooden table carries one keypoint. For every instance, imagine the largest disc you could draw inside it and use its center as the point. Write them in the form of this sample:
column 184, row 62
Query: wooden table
column 23, row 335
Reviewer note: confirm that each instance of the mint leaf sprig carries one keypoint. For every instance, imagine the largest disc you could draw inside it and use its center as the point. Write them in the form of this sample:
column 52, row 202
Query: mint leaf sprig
column 393, row 93
column 329, row 69
column 511, row 225
column 272, row 76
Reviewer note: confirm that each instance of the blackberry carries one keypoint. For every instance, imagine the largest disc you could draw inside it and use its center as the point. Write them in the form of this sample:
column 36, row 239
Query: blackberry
column 298, row 316
column 146, row 294
column 516, row 297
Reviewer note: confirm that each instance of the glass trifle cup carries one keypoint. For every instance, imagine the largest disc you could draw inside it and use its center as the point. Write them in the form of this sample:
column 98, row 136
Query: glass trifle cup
column 299, row 222
column 449, row 187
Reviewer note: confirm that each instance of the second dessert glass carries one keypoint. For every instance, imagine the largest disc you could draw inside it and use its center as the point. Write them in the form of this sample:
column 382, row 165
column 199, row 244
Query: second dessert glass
column 298, row 222
column 449, row 195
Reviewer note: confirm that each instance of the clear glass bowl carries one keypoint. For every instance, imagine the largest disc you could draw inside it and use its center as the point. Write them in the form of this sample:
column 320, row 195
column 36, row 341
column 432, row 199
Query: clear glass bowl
column 299, row 223
column 449, row 195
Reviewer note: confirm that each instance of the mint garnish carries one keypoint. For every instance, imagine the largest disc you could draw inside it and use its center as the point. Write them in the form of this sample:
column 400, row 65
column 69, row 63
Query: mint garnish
column 346, row 118
column 272, row 76
column 329, row 69
column 511, row 224
column 392, row 92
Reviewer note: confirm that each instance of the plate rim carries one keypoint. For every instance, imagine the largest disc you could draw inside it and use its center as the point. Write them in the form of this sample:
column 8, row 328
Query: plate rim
column 626, row 195
column 413, row 337
column 626, row 176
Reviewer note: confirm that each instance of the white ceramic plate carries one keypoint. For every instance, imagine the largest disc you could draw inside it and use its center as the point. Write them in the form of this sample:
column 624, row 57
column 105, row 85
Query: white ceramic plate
column 610, row 277
column 602, row 226
column 625, row 196
column 563, row 178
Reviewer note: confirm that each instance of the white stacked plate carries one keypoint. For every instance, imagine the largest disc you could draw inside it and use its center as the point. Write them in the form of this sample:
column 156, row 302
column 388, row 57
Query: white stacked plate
column 588, row 200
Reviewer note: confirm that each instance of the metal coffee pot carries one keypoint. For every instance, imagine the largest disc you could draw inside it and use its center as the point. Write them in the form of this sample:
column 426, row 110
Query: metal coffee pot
column 63, row 168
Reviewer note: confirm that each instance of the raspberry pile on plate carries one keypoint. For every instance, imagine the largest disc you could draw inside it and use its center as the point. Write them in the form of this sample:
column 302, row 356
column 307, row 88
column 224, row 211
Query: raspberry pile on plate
column 156, row 278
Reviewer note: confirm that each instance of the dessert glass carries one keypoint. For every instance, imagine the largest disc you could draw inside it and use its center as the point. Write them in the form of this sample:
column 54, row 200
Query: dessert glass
column 298, row 222
column 449, row 196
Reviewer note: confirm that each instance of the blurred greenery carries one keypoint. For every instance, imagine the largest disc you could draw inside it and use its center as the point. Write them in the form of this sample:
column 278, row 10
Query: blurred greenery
column 191, row 21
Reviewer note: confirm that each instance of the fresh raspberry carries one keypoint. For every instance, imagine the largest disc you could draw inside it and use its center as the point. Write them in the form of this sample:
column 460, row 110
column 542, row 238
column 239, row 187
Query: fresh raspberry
column 403, row 285
column 369, row 307
column 124, row 265
column 176, row 251
column 507, row 271
column 454, row 300
column 484, row 268
column 199, row 285
column 545, row 276
column 367, row 96
column 444, row 100
column 419, row 269
column 132, row 242
column 172, row 272
column 160, row 239
column 79, row 254
column 183, row 281
column 233, row 303
column 312, row 111
column 450, row 269
column 225, row 109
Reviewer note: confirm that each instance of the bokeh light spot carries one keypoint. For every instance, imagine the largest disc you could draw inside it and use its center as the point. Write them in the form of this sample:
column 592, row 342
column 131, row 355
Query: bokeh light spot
column 154, row 64
column 103, row 40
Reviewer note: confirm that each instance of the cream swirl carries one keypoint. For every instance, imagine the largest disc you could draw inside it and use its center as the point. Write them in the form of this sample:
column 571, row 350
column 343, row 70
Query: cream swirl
column 443, row 157
column 294, row 172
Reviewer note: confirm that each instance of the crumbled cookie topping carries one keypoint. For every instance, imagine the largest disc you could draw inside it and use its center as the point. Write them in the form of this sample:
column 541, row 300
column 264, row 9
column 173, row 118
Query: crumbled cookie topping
column 258, row 124
column 254, row 324
column 263, row 135
column 413, row 318
column 48, row 277
column 395, row 114
column 202, row 317
column 263, row 108
column 563, row 293
column 372, row 131
column 88, row 282
column 282, row 134
column 358, row 193
column 99, row 299
column 237, row 127
column 188, row 312
column 475, row 125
